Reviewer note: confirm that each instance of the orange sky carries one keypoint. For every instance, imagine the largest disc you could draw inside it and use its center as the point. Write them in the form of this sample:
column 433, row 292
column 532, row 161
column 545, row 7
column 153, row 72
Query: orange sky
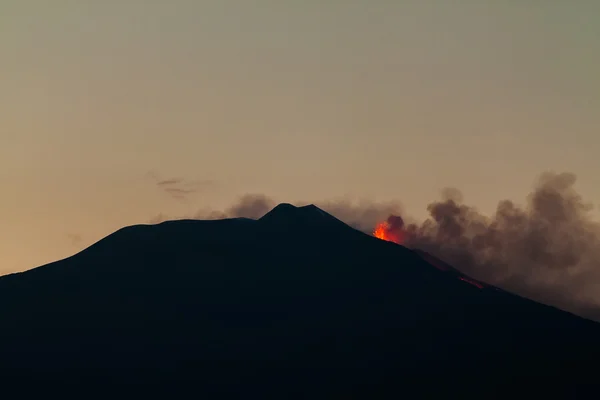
column 302, row 100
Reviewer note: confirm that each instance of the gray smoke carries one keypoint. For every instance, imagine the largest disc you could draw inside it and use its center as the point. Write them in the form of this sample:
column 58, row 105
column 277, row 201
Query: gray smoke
column 548, row 250
column 248, row 206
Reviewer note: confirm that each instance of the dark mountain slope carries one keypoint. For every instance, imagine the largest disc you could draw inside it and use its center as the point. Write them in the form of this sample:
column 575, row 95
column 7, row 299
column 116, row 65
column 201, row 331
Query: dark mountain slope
column 296, row 301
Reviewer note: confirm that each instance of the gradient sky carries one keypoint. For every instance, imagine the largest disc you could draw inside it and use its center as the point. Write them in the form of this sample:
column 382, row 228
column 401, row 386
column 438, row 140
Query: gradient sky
column 301, row 100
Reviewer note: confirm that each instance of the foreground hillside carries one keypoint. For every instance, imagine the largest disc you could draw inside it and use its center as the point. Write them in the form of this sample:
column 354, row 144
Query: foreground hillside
column 296, row 302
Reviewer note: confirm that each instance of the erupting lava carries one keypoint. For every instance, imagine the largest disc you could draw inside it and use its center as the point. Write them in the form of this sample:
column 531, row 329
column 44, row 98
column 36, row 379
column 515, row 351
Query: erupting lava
column 391, row 230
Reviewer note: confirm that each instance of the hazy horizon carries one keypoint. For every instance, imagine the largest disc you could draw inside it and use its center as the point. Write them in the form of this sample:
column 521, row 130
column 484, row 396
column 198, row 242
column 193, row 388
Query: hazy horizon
column 115, row 112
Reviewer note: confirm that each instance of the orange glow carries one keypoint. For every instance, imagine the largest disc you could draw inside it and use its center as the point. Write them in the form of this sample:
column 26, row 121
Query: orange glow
column 384, row 231
column 472, row 282
column 380, row 231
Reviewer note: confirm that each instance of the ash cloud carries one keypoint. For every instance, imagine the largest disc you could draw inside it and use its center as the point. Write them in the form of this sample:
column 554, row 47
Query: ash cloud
column 548, row 250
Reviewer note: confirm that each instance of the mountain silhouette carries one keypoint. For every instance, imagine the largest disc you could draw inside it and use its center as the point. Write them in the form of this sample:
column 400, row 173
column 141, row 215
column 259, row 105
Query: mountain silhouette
column 296, row 304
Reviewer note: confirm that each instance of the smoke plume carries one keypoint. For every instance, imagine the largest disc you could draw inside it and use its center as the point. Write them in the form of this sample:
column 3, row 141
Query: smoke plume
column 548, row 250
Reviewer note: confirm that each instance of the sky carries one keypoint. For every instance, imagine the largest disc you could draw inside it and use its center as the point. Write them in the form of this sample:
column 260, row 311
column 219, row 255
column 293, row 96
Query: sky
column 103, row 102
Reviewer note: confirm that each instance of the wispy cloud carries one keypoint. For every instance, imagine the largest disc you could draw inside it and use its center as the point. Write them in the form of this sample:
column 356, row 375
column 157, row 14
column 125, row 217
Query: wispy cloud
column 180, row 188
column 167, row 182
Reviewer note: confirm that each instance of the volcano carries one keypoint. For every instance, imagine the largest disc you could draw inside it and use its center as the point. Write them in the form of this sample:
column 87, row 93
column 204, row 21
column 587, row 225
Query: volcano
column 294, row 304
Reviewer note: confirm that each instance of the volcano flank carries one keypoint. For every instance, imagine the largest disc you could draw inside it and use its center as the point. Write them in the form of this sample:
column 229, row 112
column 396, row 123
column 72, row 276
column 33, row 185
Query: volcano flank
column 295, row 303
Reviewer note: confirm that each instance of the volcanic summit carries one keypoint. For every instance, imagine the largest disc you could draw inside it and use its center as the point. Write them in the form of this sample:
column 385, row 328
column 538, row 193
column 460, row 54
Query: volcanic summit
column 295, row 303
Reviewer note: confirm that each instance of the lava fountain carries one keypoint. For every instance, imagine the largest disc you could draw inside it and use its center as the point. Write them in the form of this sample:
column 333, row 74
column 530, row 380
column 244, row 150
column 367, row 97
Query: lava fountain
column 391, row 230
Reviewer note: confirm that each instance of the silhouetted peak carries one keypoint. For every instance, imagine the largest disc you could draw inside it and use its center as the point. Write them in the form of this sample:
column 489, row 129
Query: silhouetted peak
column 286, row 215
column 279, row 211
